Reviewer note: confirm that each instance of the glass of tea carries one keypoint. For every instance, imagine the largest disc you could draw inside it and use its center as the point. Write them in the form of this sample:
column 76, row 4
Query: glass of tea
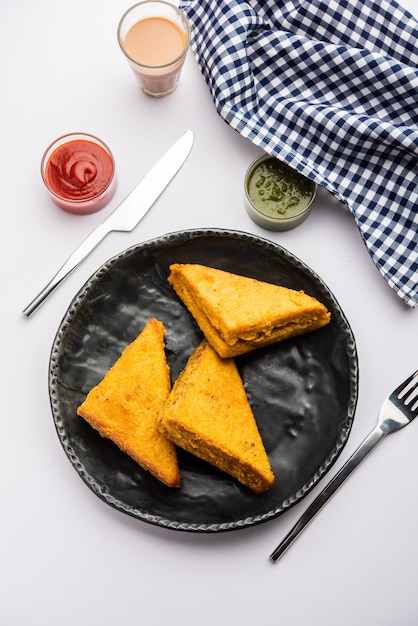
column 154, row 37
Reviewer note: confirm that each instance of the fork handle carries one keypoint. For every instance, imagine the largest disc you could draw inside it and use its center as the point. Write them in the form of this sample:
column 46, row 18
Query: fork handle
column 364, row 448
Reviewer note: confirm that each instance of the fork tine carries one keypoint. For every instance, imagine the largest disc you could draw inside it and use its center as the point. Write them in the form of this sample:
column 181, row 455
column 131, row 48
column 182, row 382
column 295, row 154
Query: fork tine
column 404, row 385
column 407, row 394
column 411, row 399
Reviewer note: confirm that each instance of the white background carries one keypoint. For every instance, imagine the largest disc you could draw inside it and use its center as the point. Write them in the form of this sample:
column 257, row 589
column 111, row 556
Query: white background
column 66, row 557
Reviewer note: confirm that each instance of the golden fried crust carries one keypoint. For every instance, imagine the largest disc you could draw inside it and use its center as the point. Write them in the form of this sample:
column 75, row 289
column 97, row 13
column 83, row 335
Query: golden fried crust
column 124, row 406
column 238, row 314
column 208, row 414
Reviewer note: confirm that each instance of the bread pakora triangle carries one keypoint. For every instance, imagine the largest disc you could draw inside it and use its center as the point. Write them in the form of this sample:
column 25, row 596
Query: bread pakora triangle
column 238, row 314
column 208, row 414
column 124, row 406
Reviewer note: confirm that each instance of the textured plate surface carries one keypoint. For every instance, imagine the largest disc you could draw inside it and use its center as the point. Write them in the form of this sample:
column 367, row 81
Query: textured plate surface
column 303, row 391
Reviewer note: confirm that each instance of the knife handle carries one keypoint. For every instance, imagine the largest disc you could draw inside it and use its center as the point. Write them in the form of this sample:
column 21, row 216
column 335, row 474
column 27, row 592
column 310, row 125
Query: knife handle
column 77, row 256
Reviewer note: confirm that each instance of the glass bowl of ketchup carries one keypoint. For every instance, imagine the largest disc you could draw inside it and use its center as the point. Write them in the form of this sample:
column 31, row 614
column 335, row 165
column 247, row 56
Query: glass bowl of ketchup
column 78, row 170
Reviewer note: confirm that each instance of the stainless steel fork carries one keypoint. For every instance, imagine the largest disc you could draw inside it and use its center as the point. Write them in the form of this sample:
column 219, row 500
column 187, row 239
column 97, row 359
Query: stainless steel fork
column 398, row 410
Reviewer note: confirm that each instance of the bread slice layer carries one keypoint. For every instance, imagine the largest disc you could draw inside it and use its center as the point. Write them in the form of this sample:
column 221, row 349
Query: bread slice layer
column 208, row 414
column 124, row 406
column 238, row 314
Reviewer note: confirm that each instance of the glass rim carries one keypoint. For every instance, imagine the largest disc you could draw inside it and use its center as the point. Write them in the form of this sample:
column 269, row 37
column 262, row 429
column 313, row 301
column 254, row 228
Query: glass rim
column 177, row 11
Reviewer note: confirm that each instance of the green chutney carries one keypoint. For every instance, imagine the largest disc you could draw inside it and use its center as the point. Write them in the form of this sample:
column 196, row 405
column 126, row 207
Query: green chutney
column 278, row 190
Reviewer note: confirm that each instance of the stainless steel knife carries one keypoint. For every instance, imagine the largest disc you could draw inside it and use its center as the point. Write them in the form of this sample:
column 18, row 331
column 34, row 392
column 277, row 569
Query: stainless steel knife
column 127, row 215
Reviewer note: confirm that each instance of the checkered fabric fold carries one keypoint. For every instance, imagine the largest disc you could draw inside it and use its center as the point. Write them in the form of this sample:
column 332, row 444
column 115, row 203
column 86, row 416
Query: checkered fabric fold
column 331, row 88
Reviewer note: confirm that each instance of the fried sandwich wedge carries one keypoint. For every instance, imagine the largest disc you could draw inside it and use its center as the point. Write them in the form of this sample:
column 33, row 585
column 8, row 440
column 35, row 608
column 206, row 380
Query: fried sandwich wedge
column 238, row 314
column 208, row 414
column 124, row 406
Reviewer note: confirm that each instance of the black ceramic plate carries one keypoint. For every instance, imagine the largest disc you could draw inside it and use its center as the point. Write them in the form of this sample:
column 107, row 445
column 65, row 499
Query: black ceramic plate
column 303, row 391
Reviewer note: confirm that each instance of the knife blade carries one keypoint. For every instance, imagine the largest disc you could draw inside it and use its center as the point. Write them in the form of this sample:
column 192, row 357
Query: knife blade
column 127, row 215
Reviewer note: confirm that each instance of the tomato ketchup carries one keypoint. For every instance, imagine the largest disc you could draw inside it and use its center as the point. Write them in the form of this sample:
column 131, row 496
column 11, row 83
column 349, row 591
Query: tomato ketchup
column 78, row 171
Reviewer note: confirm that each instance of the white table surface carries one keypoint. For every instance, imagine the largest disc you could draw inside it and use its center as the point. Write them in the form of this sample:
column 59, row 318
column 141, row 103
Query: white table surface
column 65, row 556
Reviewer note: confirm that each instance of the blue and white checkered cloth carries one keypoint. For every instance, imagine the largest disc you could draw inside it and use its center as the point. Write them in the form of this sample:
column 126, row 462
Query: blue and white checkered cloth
column 331, row 88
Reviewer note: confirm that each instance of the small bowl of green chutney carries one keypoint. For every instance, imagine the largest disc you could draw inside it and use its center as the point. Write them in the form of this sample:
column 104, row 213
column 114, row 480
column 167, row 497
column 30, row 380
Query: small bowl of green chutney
column 277, row 197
